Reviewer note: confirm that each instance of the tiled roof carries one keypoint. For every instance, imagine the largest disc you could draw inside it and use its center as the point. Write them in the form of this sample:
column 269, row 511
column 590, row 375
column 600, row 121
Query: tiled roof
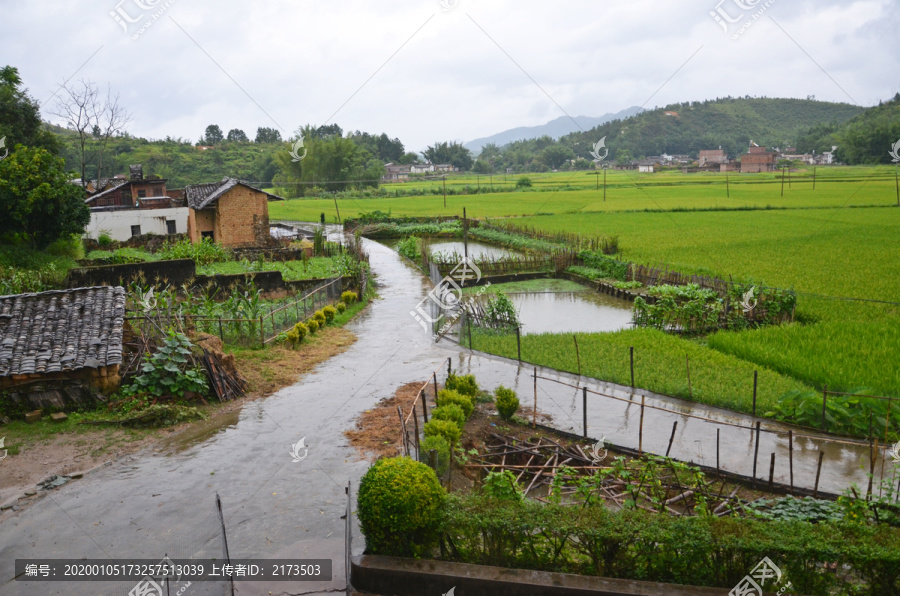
column 201, row 196
column 61, row 330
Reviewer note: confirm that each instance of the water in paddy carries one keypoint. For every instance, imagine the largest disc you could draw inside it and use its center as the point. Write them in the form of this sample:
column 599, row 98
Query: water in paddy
column 477, row 250
column 571, row 312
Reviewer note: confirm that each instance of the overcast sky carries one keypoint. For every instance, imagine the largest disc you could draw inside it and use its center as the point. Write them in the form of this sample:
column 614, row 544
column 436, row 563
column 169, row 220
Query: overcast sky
column 425, row 71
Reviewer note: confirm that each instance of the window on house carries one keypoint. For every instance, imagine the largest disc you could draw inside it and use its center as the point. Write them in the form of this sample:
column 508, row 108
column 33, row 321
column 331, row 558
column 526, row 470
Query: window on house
column 142, row 193
column 209, row 235
column 157, row 191
column 170, row 226
column 135, row 230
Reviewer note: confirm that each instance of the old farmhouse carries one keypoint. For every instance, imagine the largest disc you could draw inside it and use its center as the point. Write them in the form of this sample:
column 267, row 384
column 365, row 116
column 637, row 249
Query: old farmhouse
column 62, row 335
column 230, row 213
column 125, row 207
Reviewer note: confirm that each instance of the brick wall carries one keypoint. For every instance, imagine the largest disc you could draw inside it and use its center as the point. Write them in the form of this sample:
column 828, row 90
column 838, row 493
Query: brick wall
column 242, row 217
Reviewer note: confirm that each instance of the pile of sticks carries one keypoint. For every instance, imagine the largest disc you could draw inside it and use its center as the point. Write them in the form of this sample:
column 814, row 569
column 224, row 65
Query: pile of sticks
column 224, row 384
column 538, row 463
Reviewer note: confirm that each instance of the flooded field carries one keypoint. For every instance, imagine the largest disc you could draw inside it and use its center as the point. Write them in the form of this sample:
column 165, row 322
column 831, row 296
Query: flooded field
column 571, row 312
column 477, row 250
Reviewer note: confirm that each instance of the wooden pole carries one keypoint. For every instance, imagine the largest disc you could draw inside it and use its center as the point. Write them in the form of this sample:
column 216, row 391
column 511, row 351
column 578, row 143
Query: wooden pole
column 727, row 187
column 631, row 353
column 814, row 178
column 824, row 400
column 771, row 471
column 577, row 353
column 469, row 327
column 755, row 452
column 597, row 179
column 604, row 185
column 791, row 457
column 534, row 413
column 584, row 408
column 518, row 342
column 818, row 473
column 641, row 430
column 782, row 185
column 465, row 235
column 435, row 386
column 717, row 451
column 755, row 374
column 403, row 430
column 425, row 405
column 449, row 365
column 897, row 185
column 444, row 177
column 687, row 363
column 672, row 437
column 873, row 449
column 338, row 211
column 415, row 418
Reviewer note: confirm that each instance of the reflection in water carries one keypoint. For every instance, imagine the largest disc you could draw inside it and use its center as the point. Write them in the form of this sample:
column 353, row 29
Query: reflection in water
column 571, row 312
column 477, row 250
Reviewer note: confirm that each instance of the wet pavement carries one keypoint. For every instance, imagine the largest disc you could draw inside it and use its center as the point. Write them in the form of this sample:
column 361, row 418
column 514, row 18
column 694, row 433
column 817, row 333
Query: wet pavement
column 163, row 503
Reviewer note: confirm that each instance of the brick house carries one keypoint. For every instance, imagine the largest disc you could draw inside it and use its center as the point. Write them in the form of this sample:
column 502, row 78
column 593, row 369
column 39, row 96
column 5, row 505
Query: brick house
column 62, row 335
column 230, row 213
column 712, row 156
column 757, row 159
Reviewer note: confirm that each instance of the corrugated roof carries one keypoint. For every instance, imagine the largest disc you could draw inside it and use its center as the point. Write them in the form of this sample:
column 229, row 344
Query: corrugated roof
column 61, row 330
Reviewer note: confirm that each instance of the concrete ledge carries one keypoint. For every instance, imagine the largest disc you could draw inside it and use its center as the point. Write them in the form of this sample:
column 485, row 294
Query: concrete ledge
column 400, row 576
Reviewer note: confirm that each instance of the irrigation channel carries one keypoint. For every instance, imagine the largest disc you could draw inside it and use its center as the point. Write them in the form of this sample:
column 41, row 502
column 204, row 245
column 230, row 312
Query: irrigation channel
column 163, row 502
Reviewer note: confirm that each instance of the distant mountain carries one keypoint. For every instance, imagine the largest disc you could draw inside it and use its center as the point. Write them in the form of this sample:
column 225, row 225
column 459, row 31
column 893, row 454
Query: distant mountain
column 554, row 129
column 729, row 123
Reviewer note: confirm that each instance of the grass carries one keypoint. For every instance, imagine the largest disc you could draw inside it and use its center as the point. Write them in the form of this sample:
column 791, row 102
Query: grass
column 659, row 365
column 576, row 192
column 313, row 268
column 532, row 285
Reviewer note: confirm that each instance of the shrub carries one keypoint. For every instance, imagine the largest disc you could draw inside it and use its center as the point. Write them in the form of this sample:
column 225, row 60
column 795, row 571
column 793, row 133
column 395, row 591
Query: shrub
column 297, row 333
column 442, row 448
column 502, row 485
column 400, row 505
column 523, row 182
column 312, row 325
column 409, row 248
column 319, row 317
column 449, row 396
column 507, row 402
column 451, row 412
column 329, row 312
column 349, row 297
column 462, row 384
column 104, row 239
column 341, row 307
column 443, row 428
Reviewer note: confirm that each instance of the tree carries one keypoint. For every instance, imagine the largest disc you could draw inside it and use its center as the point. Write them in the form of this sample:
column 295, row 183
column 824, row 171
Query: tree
column 93, row 118
column 408, row 158
column 236, row 135
column 453, row 153
column 20, row 118
column 267, row 135
column 37, row 202
column 213, row 135
column 556, row 155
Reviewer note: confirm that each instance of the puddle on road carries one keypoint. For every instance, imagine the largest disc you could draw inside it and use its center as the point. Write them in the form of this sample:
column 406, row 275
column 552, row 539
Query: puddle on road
column 199, row 432
column 571, row 312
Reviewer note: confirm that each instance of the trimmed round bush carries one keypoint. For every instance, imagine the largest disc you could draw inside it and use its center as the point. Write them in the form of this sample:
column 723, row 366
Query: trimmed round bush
column 443, row 428
column 449, row 396
column 313, row 326
column 507, row 402
column 442, row 449
column 451, row 412
column 341, row 307
column 462, row 384
column 301, row 329
column 349, row 297
column 329, row 312
column 319, row 317
column 400, row 505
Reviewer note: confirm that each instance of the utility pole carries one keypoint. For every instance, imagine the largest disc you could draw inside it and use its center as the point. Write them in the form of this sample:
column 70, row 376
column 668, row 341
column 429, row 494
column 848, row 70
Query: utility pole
column 445, row 189
column 604, row 185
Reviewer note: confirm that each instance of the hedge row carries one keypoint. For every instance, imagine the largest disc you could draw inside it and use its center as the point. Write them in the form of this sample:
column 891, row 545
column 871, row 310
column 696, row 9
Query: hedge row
column 817, row 559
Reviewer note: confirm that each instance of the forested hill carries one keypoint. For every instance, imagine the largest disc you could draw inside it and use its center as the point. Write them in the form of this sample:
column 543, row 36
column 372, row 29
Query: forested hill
column 867, row 138
column 731, row 123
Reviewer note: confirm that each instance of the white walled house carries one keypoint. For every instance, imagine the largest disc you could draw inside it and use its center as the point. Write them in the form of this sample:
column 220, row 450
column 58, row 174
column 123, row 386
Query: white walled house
column 122, row 224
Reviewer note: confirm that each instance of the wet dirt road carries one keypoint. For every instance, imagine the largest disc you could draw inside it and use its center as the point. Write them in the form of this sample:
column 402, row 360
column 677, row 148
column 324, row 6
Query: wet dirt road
column 155, row 504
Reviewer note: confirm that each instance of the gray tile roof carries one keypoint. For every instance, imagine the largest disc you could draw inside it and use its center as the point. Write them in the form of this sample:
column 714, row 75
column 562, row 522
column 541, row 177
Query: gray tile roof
column 61, row 330
column 201, row 196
